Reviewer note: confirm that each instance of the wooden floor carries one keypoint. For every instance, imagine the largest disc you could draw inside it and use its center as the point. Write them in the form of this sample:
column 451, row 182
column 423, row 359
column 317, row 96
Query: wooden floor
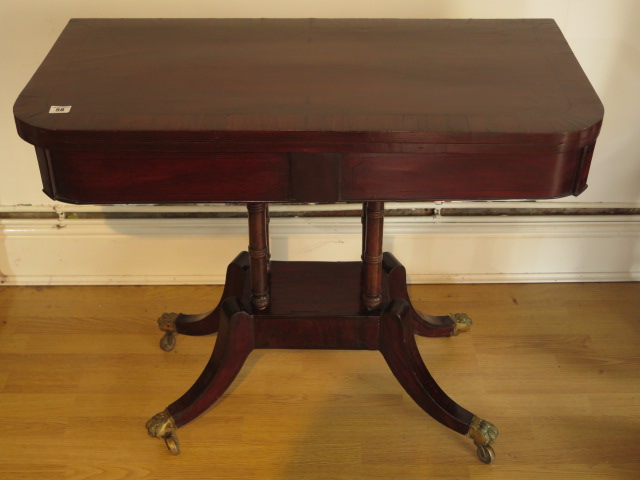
column 556, row 367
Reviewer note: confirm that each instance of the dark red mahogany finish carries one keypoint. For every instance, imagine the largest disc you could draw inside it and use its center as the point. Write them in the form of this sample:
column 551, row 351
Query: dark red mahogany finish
column 259, row 111
column 317, row 305
column 177, row 110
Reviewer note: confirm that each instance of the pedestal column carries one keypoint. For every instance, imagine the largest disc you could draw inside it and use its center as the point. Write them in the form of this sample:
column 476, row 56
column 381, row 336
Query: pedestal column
column 373, row 219
column 259, row 254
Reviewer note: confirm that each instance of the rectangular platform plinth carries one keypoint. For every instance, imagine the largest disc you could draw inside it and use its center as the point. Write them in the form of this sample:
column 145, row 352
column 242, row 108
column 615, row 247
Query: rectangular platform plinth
column 316, row 305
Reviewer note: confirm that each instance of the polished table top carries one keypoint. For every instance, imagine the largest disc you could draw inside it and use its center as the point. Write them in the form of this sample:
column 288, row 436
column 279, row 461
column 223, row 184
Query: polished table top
column 308, row 110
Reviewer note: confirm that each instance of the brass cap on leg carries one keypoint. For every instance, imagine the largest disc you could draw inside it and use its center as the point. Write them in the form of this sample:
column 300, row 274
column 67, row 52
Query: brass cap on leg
column 161, row 425
column 462, row 323
column 167, row 322
column 482, row 432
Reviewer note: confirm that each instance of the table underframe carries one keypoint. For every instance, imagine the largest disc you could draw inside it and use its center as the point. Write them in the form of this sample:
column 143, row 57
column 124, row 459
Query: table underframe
column 317, row 305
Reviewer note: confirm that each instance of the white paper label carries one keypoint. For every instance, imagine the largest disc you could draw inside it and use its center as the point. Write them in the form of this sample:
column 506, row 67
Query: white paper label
column 60, row 109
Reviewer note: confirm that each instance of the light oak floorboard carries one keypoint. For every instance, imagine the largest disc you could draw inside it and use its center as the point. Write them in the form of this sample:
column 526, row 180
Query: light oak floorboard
column 555, row 366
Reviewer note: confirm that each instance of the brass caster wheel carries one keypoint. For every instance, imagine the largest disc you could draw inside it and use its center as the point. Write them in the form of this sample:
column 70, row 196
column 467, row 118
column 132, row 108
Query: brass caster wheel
column 168, row 341
column 167, row 323
column 485, row 453
column 172, row 443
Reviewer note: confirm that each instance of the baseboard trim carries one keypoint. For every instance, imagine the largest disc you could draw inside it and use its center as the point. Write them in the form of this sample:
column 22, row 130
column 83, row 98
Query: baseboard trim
column 114, row 280
column 37, row 251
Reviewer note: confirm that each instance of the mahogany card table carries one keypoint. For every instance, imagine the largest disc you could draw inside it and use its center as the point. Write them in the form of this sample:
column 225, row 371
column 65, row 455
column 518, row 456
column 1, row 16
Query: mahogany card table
column 152, row 111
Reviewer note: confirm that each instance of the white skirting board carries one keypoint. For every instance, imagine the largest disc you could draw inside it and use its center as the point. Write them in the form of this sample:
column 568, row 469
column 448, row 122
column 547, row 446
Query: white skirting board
column 434, row 250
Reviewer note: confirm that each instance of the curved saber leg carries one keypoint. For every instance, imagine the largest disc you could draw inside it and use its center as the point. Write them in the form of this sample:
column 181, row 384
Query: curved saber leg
column 423, row 324
column 234, row 343
column 398, row 346
column 204, row 323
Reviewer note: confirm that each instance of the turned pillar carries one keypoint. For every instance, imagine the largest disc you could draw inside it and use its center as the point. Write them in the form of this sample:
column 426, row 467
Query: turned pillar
column 372, row 228
column 259, row 253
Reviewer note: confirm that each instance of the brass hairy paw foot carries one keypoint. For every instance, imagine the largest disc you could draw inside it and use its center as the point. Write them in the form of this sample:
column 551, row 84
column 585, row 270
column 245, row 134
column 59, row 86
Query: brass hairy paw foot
column 462, row 323
column 162, row 426
column 483, row 433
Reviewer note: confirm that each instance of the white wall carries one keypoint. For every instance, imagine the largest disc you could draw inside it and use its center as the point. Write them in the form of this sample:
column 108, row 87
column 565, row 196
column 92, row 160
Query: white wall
column 604, row 34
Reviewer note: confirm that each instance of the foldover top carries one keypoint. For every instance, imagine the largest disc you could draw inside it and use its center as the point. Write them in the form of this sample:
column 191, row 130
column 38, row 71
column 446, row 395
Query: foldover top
column 429, row 89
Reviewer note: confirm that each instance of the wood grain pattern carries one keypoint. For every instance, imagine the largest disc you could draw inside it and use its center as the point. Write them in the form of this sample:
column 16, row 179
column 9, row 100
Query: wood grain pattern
column 454, row 177
column 554, row 365
column 228, row 110
column 138, row 177
column 370, row 78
